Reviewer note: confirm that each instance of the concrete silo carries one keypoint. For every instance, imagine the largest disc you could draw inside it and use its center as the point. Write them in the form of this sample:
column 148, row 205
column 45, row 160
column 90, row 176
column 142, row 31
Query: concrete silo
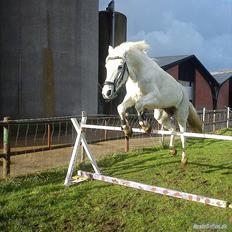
column 48, row 57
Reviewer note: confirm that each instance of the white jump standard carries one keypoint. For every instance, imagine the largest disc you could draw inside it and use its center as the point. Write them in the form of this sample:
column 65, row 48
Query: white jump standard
column 82, row 175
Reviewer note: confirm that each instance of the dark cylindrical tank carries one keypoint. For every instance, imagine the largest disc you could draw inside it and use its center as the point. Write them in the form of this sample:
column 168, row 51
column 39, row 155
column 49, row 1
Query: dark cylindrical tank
column 48, row 57
column 105, row 39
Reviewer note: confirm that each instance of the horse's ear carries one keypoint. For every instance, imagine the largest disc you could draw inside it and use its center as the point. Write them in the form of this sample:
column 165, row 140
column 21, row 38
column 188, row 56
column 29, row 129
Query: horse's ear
column 110, row 49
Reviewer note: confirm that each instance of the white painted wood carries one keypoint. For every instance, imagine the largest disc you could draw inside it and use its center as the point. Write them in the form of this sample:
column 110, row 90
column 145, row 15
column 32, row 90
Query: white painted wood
column 73, row 159
column 214, row 120
column 203, row 119
column 80, row 139
column 162, row 132
column 83, row 121
column 228, row 117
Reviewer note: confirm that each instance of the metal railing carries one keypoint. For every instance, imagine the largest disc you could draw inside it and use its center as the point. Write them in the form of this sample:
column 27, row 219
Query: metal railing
column 45, row 134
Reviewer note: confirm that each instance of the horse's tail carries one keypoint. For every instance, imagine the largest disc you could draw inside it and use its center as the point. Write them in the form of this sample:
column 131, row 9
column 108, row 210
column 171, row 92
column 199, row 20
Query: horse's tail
column 193, row 119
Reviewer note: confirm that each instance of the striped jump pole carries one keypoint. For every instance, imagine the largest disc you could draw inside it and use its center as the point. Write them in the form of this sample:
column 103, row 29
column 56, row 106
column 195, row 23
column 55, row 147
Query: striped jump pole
column 156, row 189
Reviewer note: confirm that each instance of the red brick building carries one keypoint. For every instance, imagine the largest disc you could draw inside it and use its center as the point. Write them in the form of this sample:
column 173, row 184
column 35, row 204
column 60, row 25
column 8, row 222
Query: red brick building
column 205, row 89
column 224, row 89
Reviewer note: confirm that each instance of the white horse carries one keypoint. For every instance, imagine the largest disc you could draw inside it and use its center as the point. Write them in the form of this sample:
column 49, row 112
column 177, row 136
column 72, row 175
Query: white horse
column 148, row 87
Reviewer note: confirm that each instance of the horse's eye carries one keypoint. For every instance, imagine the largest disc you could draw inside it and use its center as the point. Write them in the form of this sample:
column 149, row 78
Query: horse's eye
column 120, row 67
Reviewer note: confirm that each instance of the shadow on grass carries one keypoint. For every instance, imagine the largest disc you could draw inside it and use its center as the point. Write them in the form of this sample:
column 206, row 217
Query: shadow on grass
column 52, row 177
column 126, row 163
column 207, row 142
column 214, row 168
column 202, row 143
column 128, row 169
column 131, row 163
column 117, row 158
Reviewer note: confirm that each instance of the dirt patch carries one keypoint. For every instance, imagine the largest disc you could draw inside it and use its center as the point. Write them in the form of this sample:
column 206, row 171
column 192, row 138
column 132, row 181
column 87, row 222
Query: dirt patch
column 35, row 162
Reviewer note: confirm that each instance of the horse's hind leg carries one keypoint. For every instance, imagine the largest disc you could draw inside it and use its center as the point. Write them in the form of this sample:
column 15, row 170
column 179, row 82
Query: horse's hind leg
column 172, row 148
column 164, row 119
column 184, row 159
column 181, row 117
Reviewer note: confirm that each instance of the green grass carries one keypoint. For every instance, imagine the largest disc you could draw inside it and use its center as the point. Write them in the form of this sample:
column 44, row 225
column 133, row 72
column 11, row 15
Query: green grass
column 42, row 203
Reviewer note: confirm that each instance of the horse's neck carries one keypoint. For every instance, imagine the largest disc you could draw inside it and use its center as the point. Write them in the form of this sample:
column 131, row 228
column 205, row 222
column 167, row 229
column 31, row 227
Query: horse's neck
column 132, row 87
column 139, row 64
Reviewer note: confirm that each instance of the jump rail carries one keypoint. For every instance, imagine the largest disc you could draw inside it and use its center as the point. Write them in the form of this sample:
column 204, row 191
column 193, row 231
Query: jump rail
column 82, row 175
column 161, row 132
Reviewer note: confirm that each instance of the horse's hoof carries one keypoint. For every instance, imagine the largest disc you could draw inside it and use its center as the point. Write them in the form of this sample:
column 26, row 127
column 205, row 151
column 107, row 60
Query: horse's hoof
column 173, row 151
column 127, row 131
column 184, row 161
column 147, row 129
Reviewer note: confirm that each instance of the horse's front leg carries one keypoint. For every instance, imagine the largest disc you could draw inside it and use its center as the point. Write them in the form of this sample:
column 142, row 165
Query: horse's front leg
column 127, row 102
column 145, row 125
column 148, row 101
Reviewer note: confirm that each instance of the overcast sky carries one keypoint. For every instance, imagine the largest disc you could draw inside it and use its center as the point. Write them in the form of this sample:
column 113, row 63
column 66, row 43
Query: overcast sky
column 181, row 27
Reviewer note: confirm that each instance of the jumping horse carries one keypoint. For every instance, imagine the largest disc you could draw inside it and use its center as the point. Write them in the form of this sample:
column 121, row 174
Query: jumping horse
column 148, row 86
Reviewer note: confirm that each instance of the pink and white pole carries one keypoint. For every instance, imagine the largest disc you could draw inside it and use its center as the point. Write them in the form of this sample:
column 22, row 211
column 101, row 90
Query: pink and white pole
column 155, row 189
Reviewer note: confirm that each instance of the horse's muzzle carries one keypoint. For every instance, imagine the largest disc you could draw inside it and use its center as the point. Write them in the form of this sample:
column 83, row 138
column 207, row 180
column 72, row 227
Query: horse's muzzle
column 108, row 92
column 109, row 98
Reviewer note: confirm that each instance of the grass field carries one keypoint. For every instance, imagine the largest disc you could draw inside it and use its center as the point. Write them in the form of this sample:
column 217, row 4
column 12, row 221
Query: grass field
column 42, row 203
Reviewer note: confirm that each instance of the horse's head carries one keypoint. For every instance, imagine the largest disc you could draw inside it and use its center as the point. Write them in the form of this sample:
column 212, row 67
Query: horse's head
column 116, row 75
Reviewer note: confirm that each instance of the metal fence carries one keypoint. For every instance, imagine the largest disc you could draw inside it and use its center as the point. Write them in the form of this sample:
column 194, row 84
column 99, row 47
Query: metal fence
column 44, row 138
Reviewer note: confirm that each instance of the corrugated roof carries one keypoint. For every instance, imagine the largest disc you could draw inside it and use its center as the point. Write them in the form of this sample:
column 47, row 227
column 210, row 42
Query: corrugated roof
column 222, row 76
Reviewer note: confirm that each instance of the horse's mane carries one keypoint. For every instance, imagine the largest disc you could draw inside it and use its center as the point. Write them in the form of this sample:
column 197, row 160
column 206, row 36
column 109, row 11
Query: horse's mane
column 134, row 53
column 140, row 45
column 128, row 46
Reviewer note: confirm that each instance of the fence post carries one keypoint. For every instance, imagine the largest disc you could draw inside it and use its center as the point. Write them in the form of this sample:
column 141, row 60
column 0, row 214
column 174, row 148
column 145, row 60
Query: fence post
column 83, row 121
column 105, row 131
column 6, row 148
column 162, row 136
column 214, row 120
column 203, row 119
column 127, row 144
column 228, row 118
column 49, row 137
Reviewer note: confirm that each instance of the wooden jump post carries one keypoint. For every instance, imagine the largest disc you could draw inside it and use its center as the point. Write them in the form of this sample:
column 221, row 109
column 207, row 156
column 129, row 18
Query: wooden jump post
column 82, row 175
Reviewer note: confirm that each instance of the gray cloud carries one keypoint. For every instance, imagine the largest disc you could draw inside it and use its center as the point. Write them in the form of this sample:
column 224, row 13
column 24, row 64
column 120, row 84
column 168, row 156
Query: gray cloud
column 203, row 28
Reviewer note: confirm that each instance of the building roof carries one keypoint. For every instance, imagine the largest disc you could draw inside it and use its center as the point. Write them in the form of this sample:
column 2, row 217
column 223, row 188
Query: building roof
column 167, row 60
column 216, row 78
column 222, row 77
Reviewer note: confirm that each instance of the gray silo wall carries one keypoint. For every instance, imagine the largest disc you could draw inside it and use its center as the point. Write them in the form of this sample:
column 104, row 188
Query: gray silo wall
column 48, row 57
